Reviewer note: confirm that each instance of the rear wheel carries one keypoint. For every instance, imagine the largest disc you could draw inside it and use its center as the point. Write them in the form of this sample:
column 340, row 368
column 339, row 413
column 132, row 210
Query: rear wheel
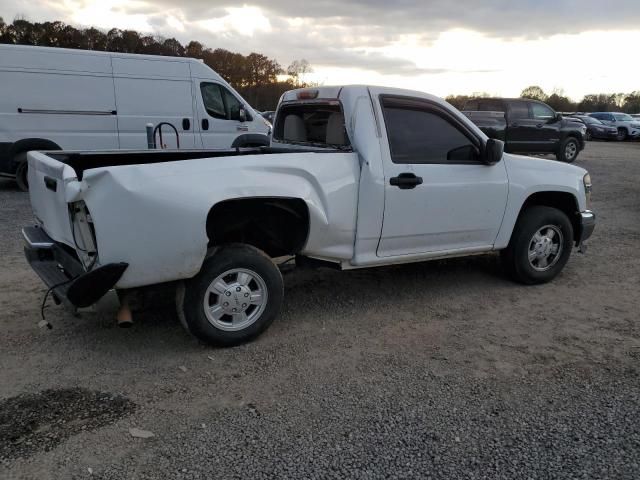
column 622, row 134
column 568, row 150
column 22, row 171
column 540, row 245
column 234, row 298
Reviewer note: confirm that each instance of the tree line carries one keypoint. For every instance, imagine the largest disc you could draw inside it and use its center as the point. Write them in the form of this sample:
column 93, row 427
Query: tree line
column 597, row 102
column 259, row 79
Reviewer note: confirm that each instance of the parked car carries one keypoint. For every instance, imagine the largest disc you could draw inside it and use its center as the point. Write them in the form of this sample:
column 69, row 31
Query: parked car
column 79, row 100
column 625, row 124
column 597, row 129
column 527, row 126
column 268, row 115
column 355, row 177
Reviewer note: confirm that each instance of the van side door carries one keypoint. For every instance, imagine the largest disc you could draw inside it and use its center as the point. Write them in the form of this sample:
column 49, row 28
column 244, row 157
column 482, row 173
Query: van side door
column 153, row 91
column 219, row 115
column 439, row 196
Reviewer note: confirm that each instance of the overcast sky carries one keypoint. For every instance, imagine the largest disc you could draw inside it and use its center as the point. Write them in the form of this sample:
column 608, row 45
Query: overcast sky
column 439, row 46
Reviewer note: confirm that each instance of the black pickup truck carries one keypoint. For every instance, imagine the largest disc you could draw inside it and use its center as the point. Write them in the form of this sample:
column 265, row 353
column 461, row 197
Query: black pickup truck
column 527, row 126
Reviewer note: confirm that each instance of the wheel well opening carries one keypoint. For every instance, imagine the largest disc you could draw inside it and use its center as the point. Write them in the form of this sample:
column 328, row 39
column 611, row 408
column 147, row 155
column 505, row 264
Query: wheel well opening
column 277, row 226
column 563, row 201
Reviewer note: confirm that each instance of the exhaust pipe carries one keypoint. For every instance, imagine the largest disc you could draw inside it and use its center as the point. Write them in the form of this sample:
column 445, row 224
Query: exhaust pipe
column 124, row 317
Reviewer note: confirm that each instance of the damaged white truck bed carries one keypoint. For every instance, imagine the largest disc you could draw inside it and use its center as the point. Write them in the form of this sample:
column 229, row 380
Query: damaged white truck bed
column 355, row 177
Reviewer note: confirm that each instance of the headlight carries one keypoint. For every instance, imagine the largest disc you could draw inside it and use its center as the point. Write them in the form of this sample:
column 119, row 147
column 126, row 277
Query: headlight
column 587, row 189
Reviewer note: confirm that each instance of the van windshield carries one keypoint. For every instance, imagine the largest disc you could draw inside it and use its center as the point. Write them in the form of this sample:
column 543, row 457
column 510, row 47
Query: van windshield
column 317, row 124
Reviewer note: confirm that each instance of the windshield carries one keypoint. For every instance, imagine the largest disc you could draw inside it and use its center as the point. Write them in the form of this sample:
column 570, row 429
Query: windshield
column 623, row 117
column 590, row 120
column 313, row 124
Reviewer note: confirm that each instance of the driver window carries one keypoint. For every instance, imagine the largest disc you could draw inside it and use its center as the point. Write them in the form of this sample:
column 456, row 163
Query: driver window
column 212, row 98
column 232, row 103
column 420, row 135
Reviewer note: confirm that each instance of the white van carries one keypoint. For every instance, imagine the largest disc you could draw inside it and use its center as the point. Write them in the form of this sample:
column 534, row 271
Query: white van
column 61, row 99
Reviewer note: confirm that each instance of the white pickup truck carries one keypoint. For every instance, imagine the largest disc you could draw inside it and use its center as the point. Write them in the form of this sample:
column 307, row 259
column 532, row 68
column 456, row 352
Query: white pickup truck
column 355, row 177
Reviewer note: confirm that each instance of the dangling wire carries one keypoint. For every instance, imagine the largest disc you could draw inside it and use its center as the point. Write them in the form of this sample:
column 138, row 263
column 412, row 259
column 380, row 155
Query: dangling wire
column 44, row 300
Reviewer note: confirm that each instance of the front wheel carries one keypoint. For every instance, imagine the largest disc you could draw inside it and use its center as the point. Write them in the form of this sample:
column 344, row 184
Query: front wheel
column 540, row 245
column 568, row 150
column 234, row 298
column 622, row 135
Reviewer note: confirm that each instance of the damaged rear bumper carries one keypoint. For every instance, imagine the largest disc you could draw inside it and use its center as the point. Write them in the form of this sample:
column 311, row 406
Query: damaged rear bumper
column 64, row 274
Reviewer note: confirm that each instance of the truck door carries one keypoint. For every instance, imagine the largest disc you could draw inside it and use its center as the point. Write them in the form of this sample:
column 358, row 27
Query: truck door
column 219, row 114
column 439, row 197
column 547, row 127
column 521, row 128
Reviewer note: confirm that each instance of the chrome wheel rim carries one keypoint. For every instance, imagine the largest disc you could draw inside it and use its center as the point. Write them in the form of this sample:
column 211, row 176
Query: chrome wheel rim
column 545, row 248
column 570, row 150
column 235, row 299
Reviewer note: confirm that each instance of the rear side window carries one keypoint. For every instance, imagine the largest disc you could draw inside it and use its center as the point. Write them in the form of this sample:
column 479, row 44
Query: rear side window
column 312, row 124
column 424, row 134
column 485, row 105
column 518, row 110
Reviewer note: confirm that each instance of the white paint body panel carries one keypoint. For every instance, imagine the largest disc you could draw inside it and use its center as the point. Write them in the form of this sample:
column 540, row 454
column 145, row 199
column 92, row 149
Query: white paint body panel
column 79, row 90
column 154, row 216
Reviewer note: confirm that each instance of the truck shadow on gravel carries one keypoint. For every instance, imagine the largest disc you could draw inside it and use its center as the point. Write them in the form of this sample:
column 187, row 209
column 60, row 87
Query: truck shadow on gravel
column 8, row 185
column 36, row 422
column 313, row 295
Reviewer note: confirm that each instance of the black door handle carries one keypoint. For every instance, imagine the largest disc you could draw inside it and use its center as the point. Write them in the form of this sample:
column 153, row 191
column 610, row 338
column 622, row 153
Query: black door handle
column 540, row 125
column 205, row 124
column 186, row 124
column 405, row 181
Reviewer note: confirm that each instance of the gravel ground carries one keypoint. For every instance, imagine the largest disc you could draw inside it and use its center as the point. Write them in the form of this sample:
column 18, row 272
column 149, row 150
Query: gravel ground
column 435, row 370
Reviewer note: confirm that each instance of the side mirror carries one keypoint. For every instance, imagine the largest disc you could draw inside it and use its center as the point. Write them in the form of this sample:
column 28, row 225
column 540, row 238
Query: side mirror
column 493, row 151
column 558, row 116
column 243, row 115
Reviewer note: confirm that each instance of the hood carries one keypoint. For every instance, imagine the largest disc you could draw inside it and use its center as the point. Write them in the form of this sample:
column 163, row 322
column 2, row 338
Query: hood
column 542, row 165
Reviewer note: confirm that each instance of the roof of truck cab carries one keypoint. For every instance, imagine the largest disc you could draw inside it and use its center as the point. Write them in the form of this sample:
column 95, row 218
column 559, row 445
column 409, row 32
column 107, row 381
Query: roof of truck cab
column 335, row 92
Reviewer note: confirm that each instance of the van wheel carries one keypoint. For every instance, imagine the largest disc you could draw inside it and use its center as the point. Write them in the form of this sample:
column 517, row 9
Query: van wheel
column 540, row 245
column 234, row 298
column 22, row 178
column 568, row 150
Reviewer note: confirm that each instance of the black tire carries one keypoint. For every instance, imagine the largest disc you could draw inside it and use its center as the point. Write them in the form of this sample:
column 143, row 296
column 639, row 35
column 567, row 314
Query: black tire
column 515, row 257
column 228, row 258
column 568, row 150
column 588, row 136
column 22, row 178
column 622, row 134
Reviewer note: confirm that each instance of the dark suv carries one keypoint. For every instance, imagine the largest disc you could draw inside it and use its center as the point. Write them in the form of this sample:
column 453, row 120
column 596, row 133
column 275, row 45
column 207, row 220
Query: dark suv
column 528, row 126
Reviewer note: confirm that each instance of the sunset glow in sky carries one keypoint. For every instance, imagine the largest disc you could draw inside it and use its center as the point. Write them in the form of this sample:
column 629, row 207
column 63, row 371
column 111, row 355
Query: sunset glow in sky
column 443, row 47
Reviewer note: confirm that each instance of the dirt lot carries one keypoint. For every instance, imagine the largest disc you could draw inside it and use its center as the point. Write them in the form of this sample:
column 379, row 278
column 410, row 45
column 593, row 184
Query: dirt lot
column 435, row 370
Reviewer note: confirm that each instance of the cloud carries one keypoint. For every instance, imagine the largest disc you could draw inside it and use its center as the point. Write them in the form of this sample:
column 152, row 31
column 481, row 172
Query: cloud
column 358, row 34
column 506, row 18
